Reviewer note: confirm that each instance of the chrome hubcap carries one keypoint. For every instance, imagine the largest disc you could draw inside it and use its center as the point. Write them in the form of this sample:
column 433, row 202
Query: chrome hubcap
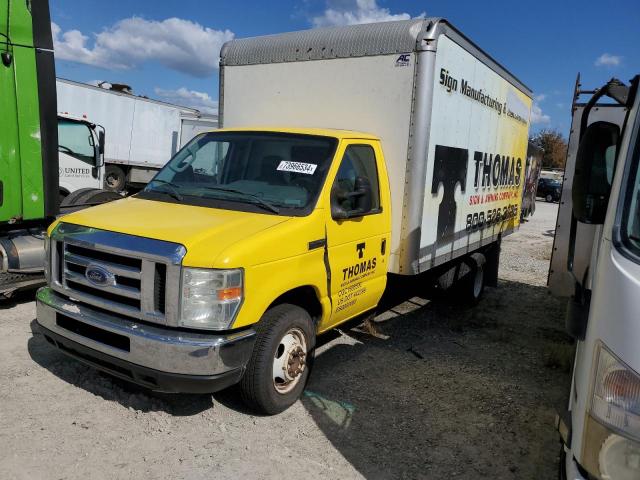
column 289, row 361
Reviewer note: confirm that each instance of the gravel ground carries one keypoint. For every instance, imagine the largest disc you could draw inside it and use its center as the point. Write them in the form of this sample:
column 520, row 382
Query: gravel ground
column 437, row 391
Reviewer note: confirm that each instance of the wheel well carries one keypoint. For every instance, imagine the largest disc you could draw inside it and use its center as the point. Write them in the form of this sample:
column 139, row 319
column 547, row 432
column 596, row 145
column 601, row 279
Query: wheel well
column 63, row 191
column 304, row 297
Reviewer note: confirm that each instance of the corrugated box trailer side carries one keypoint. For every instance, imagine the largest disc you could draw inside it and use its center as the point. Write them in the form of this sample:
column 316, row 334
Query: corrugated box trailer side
column 453, row 122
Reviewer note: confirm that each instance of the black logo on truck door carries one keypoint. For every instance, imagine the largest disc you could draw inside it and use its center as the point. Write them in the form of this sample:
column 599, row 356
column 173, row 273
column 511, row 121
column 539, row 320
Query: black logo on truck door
column 449, row 169
column 360, row 248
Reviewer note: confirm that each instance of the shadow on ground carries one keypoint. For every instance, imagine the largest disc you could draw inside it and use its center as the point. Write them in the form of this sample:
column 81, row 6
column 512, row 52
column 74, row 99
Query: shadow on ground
column 437, row 391
column 110, row 388
column 448, row 392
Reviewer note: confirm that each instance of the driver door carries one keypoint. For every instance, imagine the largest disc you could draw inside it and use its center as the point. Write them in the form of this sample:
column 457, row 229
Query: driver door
column 358, row 246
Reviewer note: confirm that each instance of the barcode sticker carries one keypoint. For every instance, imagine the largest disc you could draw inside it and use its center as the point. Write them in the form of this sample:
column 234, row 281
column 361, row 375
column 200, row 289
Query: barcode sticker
column 298, row 167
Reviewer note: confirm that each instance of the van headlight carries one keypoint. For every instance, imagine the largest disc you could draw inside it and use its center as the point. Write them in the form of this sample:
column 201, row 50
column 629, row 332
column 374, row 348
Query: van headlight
column 210, row 298
column 47, row 258
column 611, row 446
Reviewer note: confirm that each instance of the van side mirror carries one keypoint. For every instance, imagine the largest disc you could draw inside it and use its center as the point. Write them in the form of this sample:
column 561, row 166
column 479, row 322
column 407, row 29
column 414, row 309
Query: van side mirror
column 101, row 142
column 360, row 200
column 595, row 166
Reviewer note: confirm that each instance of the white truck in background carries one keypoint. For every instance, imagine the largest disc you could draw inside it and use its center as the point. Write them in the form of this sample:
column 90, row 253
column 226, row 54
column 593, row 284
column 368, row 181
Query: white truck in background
column 596, row 263
column 79, row 166
column 143, row 133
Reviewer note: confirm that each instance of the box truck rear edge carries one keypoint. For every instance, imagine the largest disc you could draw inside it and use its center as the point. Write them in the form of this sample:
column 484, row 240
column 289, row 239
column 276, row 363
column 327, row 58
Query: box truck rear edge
column 390, row 148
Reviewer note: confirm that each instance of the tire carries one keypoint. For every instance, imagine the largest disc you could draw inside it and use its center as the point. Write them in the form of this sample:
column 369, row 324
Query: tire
column 286, row 335
column 87, row 197
column 114, row 178
column 562, row 472
column 548, row 198
column 472, row 285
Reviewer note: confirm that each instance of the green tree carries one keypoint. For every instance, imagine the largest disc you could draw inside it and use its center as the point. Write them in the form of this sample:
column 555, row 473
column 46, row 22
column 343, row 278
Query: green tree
column 554, row 145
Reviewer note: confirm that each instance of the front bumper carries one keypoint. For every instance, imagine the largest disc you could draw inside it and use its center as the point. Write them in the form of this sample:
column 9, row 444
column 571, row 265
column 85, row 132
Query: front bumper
column 157, row 358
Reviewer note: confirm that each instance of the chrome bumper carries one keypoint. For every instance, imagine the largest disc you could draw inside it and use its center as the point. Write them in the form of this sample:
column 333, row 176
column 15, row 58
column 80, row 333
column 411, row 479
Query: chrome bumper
column 95, row 335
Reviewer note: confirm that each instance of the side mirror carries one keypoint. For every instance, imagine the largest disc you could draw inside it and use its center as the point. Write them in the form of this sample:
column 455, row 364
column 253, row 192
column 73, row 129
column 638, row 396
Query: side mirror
column 595, row 166
column 101, row 142
column 361, row 199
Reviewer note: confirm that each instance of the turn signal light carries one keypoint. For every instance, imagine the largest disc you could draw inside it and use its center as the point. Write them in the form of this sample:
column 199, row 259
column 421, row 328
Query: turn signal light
column 231, row 293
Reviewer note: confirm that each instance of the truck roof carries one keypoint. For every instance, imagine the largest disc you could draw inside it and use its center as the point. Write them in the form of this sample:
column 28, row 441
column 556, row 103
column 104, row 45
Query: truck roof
column 322, row 132
column 183, row 109
column 355, row 41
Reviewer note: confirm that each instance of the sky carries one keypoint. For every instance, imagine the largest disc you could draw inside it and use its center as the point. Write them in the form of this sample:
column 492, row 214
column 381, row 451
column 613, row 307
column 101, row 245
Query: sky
column 169, row 49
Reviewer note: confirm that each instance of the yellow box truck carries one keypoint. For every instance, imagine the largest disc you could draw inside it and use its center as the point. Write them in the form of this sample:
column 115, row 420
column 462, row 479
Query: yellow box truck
column 347, row 155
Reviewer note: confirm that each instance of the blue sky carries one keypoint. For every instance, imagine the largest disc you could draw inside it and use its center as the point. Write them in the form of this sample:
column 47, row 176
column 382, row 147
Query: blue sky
column 169, row 49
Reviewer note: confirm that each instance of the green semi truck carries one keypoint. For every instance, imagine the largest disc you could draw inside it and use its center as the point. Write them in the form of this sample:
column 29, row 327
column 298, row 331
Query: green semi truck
column 30, row 146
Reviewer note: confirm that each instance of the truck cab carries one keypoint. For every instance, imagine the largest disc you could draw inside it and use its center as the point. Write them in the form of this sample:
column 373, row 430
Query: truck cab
column 596, row 263
column 235, row 207
column 80, row 154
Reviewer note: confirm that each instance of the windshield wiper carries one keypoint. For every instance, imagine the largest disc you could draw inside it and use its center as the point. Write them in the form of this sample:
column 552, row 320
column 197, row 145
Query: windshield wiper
column 173, row 188
column 261, row 201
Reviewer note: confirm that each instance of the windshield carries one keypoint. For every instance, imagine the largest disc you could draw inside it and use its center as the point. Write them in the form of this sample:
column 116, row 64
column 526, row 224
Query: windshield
column 75, row 139
column 251, row 171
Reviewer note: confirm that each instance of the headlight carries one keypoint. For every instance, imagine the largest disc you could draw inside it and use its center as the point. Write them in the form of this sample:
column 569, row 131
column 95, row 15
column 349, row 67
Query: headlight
column 210, row 298
column 611, row 450
column 47, row 259
column 616, row 394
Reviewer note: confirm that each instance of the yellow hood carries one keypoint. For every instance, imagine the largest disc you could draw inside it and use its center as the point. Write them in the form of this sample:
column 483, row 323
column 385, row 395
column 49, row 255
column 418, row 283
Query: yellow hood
column 204, row 232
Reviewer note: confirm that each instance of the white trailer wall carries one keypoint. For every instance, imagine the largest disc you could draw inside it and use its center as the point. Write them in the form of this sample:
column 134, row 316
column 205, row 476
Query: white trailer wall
column 384, row 79
column 139, row 132
column 462, row 125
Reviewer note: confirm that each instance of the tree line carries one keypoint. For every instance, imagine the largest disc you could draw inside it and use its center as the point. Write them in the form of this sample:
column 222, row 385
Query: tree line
column 554, row 145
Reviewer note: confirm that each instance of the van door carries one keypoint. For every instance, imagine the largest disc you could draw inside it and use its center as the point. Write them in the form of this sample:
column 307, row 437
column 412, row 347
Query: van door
column 358, row 231
column 77, row 156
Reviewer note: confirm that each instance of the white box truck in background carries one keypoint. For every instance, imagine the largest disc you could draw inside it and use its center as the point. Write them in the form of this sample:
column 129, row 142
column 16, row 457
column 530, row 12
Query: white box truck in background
column 143, row 134
column 596, row 263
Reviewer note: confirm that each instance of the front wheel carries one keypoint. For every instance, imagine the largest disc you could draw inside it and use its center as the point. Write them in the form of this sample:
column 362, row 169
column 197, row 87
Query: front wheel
column 549, row 198
column 281, row 360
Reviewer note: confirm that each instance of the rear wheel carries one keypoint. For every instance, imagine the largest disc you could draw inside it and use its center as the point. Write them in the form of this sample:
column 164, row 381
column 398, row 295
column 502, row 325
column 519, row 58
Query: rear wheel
column 472, row 285
column 114, row 178
column 549, row 198
column 281, row 360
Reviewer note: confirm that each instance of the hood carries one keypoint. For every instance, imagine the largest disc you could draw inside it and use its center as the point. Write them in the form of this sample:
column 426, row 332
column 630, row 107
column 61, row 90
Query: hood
column 204, row 232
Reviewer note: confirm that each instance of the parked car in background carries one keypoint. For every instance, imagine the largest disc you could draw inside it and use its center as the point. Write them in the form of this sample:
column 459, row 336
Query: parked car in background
column 550, row 189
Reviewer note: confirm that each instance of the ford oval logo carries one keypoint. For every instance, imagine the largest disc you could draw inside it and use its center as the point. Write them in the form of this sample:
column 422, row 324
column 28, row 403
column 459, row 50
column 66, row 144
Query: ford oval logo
column 99, row 276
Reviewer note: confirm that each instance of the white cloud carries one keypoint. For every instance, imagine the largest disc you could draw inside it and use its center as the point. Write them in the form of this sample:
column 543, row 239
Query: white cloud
column 189, row 98
column 540, row 97
column 537, row 116
column 355, row 12
column 178, row 44
column 608, row 60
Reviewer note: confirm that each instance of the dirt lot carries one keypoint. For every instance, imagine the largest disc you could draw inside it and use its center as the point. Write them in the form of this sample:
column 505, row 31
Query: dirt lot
column 439, row 392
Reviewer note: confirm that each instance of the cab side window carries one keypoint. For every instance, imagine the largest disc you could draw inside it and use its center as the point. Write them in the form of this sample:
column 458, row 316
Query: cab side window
column 356, row 181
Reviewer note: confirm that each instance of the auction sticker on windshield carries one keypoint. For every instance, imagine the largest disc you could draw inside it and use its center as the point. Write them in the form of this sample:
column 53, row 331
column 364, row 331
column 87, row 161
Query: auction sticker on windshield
column 297, row 167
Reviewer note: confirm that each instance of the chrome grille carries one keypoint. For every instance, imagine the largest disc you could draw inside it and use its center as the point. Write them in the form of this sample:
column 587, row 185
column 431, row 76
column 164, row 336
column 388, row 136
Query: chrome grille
column 139, row 272
column 126, row 287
